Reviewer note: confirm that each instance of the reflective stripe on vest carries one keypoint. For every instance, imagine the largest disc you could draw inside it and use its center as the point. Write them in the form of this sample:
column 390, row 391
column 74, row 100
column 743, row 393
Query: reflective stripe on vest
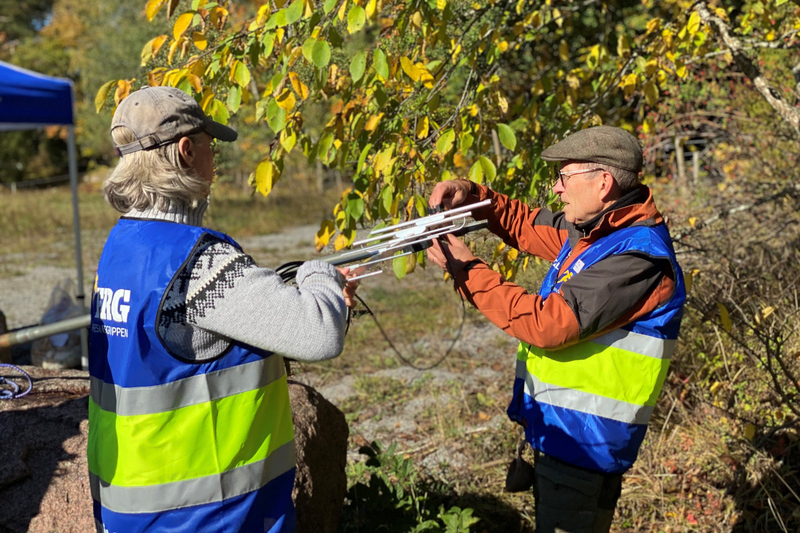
column 130, row 401
column 617, row 375
column 208, row 489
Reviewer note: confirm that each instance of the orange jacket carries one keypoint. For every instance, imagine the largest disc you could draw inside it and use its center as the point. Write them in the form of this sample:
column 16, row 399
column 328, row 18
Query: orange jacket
column 614, row 292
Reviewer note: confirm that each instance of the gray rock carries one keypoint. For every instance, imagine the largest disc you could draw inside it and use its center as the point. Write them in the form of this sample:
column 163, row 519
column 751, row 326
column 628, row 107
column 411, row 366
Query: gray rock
column 320, row 485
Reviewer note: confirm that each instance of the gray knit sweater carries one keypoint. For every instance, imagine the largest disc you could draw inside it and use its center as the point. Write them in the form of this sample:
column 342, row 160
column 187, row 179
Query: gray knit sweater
column 221, row 296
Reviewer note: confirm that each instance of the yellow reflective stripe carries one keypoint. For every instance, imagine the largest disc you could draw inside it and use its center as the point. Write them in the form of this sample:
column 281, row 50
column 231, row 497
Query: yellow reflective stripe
column 601, row 370
column 197, row 491
column 193, row 441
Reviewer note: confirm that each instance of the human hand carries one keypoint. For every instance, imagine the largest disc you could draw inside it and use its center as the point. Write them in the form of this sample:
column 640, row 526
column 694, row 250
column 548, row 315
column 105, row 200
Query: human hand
column 350, row 287
column 450, row 194
column 449, row 252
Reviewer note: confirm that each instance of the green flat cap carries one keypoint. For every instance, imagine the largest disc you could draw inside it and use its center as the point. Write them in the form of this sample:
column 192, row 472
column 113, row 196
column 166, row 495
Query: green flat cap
column 606, row 145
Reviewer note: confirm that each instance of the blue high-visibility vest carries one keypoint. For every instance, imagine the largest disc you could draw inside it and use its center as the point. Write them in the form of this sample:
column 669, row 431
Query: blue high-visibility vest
column 589, row 404
column 177, row 445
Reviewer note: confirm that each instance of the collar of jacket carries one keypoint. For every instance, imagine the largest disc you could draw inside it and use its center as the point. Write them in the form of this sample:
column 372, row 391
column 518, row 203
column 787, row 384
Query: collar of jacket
column 634, row 207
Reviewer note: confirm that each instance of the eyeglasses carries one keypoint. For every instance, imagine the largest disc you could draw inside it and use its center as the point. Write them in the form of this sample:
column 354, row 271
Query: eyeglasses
column 562, row 176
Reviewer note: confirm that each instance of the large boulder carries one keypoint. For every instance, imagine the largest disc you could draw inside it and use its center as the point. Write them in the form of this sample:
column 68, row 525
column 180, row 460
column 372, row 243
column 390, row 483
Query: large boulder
column 44, row 481
column 320, row 485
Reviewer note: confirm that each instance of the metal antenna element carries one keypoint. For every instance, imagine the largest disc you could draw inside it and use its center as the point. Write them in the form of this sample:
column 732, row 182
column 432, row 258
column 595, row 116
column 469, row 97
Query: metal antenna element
column 397, row 240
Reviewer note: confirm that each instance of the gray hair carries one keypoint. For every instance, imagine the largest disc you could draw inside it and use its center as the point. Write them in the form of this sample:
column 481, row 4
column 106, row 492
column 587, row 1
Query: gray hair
column 626, row 179
column 152, row 178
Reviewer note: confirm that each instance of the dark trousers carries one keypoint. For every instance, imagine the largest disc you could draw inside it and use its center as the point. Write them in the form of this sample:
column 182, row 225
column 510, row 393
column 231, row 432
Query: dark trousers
column 570, row 499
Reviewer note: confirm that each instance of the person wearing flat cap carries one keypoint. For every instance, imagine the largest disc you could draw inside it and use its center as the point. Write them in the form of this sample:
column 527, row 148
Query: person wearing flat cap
column 190, row 428
column 596, row 340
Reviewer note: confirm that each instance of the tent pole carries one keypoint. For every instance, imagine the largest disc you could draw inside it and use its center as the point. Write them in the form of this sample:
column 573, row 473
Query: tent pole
column 76, row 224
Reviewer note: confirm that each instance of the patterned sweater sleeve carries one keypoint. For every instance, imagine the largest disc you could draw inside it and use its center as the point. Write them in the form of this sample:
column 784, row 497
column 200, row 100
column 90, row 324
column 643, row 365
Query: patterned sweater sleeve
column 222, row 296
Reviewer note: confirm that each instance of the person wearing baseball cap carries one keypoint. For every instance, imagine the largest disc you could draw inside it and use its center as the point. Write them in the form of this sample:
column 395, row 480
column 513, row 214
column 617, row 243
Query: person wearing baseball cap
column 190, row 425
column 596, row 340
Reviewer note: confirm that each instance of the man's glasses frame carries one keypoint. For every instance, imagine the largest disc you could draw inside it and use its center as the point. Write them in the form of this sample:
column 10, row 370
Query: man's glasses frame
column 563, row 177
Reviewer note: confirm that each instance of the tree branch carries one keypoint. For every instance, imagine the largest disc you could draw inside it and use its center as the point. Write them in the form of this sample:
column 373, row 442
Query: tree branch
column 773, row 97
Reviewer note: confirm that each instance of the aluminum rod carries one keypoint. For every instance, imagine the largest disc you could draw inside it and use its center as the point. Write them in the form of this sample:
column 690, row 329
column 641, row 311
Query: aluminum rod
column 22, row 336
column 432, row 219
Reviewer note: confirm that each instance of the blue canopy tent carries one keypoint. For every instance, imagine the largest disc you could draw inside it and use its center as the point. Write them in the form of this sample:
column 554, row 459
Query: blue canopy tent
column 29, row 100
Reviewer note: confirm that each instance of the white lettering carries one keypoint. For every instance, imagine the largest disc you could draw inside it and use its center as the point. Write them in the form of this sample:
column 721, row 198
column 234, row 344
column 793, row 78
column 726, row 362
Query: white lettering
column 109, row 304
column 120, row 312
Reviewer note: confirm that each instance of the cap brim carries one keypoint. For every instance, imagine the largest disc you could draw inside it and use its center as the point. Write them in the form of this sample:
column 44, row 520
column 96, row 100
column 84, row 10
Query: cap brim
column 220, row 131
column 561, row 151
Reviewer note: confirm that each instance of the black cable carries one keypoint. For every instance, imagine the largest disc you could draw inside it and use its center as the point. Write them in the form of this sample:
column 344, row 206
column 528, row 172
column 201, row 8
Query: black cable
column 391, row 344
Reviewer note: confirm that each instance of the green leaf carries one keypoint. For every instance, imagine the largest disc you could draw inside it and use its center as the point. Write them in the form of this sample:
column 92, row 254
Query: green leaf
column 507, row 136
column 308, row 48
column 476, row 172
column 241, row 74
column 321, row 54
column 355, row 207
column 421, row 205
column 329, row 5
column 446, row 141
column 489, row 170
column 219, row 112
column 387, row 198
column 276, row 116
column 399, row 266
column 234, row 98
column 294, row 12
column 363, row 157
column 358, row 65
column 324, row 152
column 356, row 19
column 380, row 64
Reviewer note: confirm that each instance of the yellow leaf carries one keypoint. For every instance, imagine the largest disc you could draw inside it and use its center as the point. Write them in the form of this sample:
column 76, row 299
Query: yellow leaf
column 694, row 23
column 724, row 317
column 199, row 40
column 286, row 100
column 342, row 11
column 122, row 92
column 323, row 236
column 208, row 97
column 340, row 242
column 266, row 176
column 653, row 25
column 372, row 123
column 422, row 128
column 692, row 221
column 767, row 311
column 218, row 17
column 383, row 161
column 563, row 51
column 409, row 68
column 441, row 4
column 651, row 93
column 152, row 47
column 198, row 68
column 153, row 7
column 181, row 25
column 195, row 82
column 298, row 86
column 771, row 35
column 749, row 431
column 102, row 95
column 371, row 9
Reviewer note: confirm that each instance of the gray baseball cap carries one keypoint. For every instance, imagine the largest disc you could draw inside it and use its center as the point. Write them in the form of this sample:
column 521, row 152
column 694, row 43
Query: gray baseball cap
column 162, row 115
column 606, row 145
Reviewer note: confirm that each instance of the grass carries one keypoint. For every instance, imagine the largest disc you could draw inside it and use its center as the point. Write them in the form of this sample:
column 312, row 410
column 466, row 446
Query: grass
column 37, row 224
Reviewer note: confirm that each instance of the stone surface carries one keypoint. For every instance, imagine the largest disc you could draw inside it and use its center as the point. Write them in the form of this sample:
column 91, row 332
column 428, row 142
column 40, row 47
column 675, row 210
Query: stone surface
column 320, row 484
column 44, row 481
